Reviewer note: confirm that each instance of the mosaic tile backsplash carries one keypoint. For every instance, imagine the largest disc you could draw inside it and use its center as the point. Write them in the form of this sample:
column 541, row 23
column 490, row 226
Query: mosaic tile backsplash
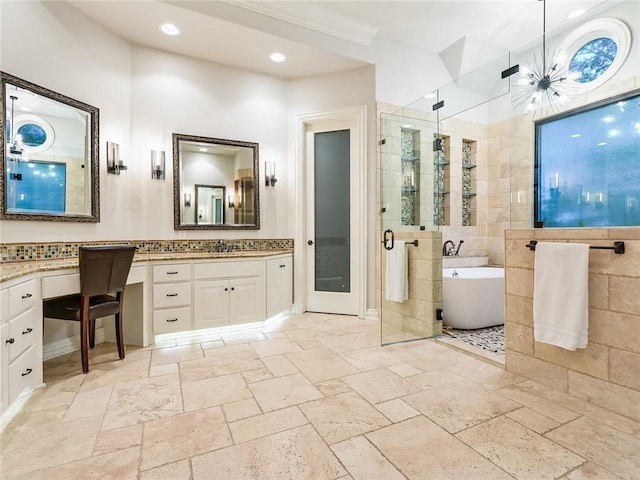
column 19, row 252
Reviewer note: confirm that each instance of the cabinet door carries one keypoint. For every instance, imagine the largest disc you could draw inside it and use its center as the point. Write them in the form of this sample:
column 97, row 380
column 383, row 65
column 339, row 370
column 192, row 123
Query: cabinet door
column 286, row 285
column 279, row 285
column 4, row 366
column 246, row 297
column 210, row 303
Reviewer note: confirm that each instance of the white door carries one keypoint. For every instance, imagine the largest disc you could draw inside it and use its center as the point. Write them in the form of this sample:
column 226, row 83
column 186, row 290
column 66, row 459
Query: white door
column 333, row 210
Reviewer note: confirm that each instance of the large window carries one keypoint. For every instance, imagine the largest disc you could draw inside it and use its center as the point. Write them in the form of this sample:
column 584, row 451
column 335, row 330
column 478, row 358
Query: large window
column 587, row 165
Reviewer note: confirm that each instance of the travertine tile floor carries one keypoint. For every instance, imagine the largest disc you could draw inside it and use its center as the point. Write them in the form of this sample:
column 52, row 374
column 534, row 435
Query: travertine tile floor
column 308, row 397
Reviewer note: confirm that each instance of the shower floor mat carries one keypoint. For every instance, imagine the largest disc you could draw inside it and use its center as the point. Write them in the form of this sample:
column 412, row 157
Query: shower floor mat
column 490, row 339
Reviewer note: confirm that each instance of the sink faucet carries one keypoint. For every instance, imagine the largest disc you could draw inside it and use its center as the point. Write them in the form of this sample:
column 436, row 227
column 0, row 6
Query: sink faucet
column 448, row 251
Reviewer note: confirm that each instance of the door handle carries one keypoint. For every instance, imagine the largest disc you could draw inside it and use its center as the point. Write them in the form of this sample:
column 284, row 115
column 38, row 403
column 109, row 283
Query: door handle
column 310, row 242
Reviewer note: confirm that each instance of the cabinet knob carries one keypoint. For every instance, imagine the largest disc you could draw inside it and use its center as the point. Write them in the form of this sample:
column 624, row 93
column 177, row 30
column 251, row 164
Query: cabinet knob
column 226, row 289
column 233, row 288
column 27, row 295
column 10, row 340
column 28, row 330
column 27, row 372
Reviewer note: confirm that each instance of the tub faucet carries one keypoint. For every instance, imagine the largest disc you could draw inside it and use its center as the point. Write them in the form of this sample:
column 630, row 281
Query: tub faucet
column 447, row 252
column 458, row 249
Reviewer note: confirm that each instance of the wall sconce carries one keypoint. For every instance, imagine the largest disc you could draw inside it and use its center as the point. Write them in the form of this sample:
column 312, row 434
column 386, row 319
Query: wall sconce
column 187, row 199
column 230, row 201
column 157, row 164
column 114, row 163
column 270, row 174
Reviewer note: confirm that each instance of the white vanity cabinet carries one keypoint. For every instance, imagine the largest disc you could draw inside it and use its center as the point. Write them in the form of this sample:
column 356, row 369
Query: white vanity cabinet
column 228, row 292
column 171, row 298
column 21, row 336
column 279, row 284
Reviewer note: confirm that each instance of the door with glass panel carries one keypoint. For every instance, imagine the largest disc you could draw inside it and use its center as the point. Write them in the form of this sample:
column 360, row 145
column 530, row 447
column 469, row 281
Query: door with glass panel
column 332, row 214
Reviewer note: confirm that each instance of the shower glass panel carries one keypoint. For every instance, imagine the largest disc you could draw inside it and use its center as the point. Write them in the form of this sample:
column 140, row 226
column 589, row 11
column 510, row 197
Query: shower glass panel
column 407, row 205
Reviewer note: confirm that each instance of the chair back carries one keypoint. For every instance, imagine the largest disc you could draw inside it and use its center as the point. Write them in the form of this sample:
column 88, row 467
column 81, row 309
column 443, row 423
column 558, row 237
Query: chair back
column 104, row 269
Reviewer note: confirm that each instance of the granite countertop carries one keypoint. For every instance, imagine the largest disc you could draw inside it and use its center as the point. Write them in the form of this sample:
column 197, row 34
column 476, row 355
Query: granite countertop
column 12, row 270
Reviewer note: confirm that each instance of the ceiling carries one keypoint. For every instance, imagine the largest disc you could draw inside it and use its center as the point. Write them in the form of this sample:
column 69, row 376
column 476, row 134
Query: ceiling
column 323, row 36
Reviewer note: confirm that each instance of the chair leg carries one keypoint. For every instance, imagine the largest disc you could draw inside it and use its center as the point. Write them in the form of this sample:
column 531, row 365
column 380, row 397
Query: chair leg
column 119, row 337
column 92, row 333
column 84, row 336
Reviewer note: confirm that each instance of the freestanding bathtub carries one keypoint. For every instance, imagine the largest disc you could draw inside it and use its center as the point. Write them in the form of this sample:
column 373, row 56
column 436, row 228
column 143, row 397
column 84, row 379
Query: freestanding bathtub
column 473, row 297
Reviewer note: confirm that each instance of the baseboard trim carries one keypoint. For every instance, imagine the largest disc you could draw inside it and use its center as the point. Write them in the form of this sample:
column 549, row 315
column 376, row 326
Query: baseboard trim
column 372, row 314
column 67, row 345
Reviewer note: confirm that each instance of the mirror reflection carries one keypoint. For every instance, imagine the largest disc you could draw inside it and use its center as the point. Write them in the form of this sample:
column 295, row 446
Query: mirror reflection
column 50, row 154
column 221, row 177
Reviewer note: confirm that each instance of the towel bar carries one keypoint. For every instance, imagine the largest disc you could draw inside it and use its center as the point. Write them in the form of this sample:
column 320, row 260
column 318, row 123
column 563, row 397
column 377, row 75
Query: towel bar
column 618, row 247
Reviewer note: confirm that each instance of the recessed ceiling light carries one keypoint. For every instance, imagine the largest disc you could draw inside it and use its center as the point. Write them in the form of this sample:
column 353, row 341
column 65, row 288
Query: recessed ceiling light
column 170, row 29
column 277, row 57
column 575, row 13
column 430, row 95
column 576, row 135
column 601, row 144
column 202, row 149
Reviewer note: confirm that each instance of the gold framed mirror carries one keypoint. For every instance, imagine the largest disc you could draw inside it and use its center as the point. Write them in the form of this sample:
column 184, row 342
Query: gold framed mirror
column 215, row 184
column 49, row 142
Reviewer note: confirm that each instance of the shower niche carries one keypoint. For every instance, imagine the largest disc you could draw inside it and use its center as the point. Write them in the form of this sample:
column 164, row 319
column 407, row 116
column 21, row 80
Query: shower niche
column 442, row 179
column 469, row 188
column 410, row 175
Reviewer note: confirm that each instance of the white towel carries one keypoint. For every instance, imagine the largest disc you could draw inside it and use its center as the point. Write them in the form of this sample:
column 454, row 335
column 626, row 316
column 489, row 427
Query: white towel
column 397, row 284
column 561, row 294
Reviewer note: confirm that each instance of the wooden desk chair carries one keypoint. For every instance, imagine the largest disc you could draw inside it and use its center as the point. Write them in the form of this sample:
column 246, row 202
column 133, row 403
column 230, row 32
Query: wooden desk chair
column 103, row 276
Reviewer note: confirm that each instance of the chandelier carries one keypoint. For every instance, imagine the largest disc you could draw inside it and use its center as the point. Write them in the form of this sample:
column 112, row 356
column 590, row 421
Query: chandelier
column 544, row 80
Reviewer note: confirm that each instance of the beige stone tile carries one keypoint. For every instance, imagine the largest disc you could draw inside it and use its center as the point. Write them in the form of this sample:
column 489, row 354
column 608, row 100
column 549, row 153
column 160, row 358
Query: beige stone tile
column 616, row 451
column 283, row 392
column 172, row 471
column 226, row 350
column 275, row 347
column 614, row 329
column 257, row 375
column 120, row 465
column 519, row 310
column 266, row 424
column 23, row 448
column 242, row 336
column 347, row 343
column 182, row 436
column 380, row 385
column 545, row 407
column 519, row 451
column 553, row 376
column 370, row 358
column 176, row 354
column 519, row 281
column 459, row 405
column 241, row 409
column 519, row 338
column 320, row 364
column 143, row 400
column 405, row 444
column 115, row 372
column 118, row 439
column 343, row 416
column 532, row 420
column 426, row 355
column 623, row 294
column 403, row 370
column 397, row 410
column 485, row 374
column 56, row 393
column 590, row 471
column 279, row 365
column 211, row 392
column 210, row 345
column 306, row 334
column 332, row 387
column 363, row 461
column 215, row 365
column 624, row 368
column 157, row 370
column 592, row 360
column 90, row 403
column 293, row 454
column 621, row 400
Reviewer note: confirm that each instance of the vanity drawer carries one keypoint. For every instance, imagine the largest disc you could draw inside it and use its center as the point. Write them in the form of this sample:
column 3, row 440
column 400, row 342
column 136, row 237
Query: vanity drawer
column 172, row 273
column 171, row 295
column 252, row 268
column 23, row 332
column 171, row 320
column 23, row 373
column 22, row 297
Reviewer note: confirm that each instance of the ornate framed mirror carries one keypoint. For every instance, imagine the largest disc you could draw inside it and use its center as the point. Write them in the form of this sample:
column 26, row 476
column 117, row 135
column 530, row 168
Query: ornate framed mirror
column 50, row 167
column 215, row 184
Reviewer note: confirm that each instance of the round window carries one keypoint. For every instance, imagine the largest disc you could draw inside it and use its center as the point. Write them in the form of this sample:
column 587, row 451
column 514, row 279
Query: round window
column 596, row 50
column 36, row 134
column 32, row 135
column 593, row 59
